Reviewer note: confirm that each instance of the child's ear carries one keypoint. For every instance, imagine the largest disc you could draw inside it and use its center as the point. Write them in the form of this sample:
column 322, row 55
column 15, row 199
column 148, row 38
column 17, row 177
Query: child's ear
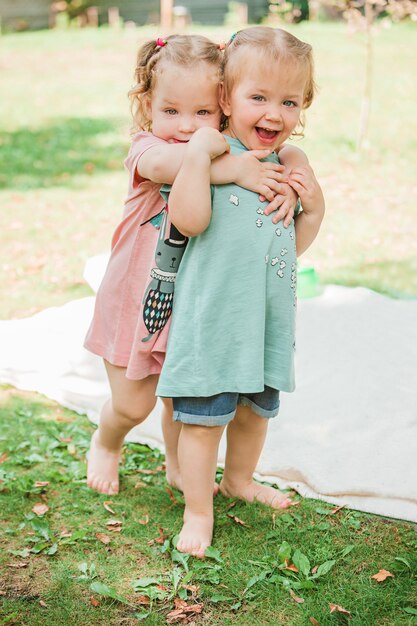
column 223, row 100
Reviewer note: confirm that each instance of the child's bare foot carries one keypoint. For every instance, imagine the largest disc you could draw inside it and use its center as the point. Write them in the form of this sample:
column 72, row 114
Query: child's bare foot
column 102, row 468
column 255, row 491
column 196, row 534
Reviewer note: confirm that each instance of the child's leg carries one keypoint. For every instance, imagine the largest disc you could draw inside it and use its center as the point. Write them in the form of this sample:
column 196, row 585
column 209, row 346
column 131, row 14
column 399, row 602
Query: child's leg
column 245, row 439
column 130, row 404
column 171, row 431
column 197, row 453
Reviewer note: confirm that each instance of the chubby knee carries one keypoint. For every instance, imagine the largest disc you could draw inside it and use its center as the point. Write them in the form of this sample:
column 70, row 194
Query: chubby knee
column 134, row 412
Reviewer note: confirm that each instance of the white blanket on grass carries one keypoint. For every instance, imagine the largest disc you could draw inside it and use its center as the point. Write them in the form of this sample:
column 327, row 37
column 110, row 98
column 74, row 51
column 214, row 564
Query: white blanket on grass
column 348, row 435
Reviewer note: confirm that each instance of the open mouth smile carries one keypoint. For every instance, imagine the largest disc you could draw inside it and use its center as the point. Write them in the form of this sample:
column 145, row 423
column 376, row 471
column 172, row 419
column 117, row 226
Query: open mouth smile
column 266, row 135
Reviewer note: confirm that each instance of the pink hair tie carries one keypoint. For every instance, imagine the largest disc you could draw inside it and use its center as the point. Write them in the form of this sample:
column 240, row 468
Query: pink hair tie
column 160, row 42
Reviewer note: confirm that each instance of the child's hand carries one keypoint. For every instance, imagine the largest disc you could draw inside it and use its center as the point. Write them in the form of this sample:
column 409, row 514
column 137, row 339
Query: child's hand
column 304, row 182
column 262, row 177
column 210, row 141
column 284, row 205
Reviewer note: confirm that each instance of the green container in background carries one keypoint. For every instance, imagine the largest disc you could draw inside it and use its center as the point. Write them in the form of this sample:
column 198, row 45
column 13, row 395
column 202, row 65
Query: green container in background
column 308, row 284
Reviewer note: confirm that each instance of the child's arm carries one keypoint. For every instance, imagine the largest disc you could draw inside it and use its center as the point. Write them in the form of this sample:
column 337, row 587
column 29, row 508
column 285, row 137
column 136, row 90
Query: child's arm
column 190, row 197
column 285, row 201
column 161, row 163
column 307, row 223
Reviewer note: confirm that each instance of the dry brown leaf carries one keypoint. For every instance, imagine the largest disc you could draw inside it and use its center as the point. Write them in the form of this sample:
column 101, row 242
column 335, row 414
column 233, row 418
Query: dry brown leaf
column 180, row 614
column 65, row 534
column 148, row 471
column 41, row 483
column 107, row 506
column 339, row 609
column 4, row 457
column 65, row 439
column 139, row 485
column 193, row 588
column 171, row 495
column 296, row 598
column 18, row 565
column 144, row 520
column 337, row 509
column 314, row 621
column 161, row 537
column 144, row 600
column 115, row 525
column 315, row 568
column 231, row 505
column 40, row 509
column 237, row 520
column 94, row 601
column 42, row 603
column 382, row 575
column 290, row 566
column 103, row 538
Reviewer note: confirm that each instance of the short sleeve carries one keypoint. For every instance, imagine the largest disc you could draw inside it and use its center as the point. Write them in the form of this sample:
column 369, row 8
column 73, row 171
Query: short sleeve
column 141, row 142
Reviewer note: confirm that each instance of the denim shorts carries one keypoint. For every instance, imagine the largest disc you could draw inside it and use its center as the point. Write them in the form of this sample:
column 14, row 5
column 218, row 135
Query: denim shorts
column 220, row 409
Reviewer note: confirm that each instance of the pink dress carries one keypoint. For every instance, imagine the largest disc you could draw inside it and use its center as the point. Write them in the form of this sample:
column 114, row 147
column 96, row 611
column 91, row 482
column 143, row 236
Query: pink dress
column 134, row 302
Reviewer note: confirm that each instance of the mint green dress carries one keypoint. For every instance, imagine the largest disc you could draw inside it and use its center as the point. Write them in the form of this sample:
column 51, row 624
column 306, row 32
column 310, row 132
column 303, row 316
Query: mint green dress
column 233, row 323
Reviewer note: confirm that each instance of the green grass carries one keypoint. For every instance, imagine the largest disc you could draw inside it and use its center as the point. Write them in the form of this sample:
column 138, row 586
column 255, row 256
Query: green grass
column 55, row 559
column 65, row 131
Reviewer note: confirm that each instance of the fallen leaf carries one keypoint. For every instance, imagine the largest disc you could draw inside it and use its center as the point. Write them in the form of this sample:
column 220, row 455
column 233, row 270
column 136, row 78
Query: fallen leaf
column 65, row 439
column 65, row 534
column 148, row 471
column 171, row 495
column 238, row 520
column 339, row 609
column 231, row 505
column 114, row 525
column 180, row 614
column 296, row 598
column 41, row 483
column 139, row 485
column 103, row 538
column 40, row 509
column 108, row 507
column 290, row 566
column 144, row 521
column 4, row 457
column 18, row 565
column 94, row 602
column 315, row 568
column 2, row 593
column 337, row 509
column 382, row 575
column 193, row 588
column 314, row 621
column 42, row 603
column 161, row 537
column 144, row 600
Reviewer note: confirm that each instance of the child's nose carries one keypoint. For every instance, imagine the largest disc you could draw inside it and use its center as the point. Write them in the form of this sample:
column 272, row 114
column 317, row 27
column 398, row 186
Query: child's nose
column 187, row 125
column 274, row 113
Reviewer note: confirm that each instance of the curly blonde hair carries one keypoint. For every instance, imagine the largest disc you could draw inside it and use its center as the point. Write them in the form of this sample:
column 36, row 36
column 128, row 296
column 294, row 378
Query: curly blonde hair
column 271, row 44
column 181, row 50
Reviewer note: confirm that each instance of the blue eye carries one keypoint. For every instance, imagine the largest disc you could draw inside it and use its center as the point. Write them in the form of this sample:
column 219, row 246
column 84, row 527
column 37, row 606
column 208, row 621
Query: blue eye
column 289, row 103
column 170, row 111
column 258, row 98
